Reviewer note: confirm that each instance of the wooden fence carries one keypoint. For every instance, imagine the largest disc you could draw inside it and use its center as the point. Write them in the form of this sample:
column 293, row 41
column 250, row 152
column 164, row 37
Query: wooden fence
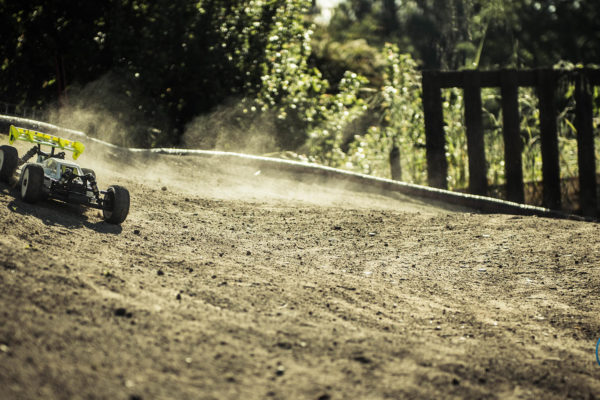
column 509, row 81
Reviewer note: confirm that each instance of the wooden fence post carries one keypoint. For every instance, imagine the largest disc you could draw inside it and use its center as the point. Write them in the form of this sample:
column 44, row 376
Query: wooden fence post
column 513, row 146
column 395, row 165
column 435, row 141
column 546, row 87
column 474, row 127
column 585, row 146
column 545, row 81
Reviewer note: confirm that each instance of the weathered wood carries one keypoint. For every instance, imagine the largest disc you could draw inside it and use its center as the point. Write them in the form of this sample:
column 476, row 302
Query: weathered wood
column 451, row 79
column 513, row 146
column 585, row 147
column 545, row 81
column 395, row 165
column 435, row 141
column 549, row 139
column 474, row 127
column 593, row 75
column 527, row 77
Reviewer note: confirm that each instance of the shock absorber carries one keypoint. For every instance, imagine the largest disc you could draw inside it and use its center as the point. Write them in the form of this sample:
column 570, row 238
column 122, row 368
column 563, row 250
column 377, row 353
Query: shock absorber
column 32, row 152
column 94, row 186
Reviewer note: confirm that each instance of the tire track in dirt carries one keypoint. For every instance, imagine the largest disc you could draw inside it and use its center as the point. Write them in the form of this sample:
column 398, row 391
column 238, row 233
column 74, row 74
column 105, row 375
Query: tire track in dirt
column 225, row 283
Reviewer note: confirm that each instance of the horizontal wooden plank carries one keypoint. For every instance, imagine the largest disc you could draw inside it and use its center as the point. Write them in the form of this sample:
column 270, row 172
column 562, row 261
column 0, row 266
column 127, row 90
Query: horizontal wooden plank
column 492, row 78
column 593, row 75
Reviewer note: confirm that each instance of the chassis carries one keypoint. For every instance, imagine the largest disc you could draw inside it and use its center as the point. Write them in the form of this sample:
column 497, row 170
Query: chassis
column 52, row 176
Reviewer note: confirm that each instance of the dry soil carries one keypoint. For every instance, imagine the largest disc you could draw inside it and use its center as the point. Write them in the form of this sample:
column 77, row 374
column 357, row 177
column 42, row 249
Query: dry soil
column 230, row 282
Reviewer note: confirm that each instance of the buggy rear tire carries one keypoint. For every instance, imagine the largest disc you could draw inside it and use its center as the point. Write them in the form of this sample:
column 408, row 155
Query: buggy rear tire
column 9, row 160
column 31, row 183
column 116, row 204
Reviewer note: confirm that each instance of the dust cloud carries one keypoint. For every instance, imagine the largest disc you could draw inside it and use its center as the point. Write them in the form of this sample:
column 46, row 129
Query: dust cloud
column 102, row 112
column 233, row 127
column 231, row 178
column 105, row 109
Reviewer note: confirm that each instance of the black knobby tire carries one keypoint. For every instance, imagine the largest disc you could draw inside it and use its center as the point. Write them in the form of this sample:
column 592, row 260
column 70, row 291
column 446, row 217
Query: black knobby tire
column 9, row 160
column 31, row 183
column 116, row 204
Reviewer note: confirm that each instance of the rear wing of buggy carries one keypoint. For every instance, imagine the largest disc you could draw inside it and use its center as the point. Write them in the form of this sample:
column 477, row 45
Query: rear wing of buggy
column 28, row 135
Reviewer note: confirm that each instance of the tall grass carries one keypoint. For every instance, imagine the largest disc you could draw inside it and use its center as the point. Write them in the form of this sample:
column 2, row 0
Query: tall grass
column 360, row 133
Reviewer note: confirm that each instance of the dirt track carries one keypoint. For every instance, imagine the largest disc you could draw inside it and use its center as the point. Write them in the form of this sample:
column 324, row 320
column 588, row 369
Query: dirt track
column 226, row 282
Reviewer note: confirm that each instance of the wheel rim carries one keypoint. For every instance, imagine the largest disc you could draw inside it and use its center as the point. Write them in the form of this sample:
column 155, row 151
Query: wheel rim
column 109, row 204
column 25, row 182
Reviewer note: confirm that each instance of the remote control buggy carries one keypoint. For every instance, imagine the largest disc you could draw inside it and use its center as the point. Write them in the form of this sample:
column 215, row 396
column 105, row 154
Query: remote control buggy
column 52, row 176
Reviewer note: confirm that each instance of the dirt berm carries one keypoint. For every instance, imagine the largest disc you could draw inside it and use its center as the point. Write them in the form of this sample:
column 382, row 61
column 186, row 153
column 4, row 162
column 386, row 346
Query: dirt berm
column 230, row 282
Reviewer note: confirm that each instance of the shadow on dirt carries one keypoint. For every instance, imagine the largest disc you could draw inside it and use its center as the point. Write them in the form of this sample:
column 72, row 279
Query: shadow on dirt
column 51, row 212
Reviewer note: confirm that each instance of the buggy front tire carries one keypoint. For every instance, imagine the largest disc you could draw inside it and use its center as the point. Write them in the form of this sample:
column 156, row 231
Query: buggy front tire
column 116, row 204
column 9, row 160
column 31, row 183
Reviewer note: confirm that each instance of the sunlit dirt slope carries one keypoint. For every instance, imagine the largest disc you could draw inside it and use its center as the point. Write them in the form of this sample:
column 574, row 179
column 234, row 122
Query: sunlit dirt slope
column 232, row 282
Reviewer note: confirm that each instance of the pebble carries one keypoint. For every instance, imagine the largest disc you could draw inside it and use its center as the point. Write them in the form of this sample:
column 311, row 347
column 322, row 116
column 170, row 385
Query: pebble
column 363, row 360
column 9, row 265
column 122, row 312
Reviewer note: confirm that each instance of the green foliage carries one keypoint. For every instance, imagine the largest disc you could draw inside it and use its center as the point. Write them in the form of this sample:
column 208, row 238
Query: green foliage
column 392, row 116
column 456, row 139
column 42, row 38
column 361, row 125
column 401, row 123
column 325, row 140
column 173, row 59
column 252, row 74
column 452, row 34
column 288, row 84
column 530, row 135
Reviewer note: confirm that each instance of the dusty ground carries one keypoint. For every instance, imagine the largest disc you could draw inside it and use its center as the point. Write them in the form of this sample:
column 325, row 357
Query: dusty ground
column 226, row 282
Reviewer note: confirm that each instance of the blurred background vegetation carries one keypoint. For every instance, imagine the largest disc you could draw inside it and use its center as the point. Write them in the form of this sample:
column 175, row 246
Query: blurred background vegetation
column 275, row 77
